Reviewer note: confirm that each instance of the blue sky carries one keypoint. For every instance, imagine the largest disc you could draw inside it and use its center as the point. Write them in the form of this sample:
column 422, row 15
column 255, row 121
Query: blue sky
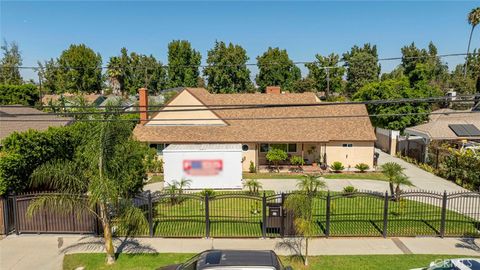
column 44, row 29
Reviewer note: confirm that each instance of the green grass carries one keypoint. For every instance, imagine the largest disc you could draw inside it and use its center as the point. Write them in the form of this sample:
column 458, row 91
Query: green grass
column 349, row 216
column 367, row 175
column 153, row 261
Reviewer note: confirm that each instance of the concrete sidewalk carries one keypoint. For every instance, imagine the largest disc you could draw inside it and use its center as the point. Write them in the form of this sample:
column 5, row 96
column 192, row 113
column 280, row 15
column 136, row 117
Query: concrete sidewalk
column 47, row 251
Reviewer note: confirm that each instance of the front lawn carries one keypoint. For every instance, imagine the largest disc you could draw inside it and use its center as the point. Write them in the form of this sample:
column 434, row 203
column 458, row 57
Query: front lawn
column 153, row 261
column 240, row 215
column 367, row 175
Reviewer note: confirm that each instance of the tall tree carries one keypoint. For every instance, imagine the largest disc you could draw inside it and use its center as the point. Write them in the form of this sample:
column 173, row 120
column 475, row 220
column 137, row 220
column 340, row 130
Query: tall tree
column 10, row 63
column 128, row 72
column 77, row 70
column 397, row 89
column 362, row 66
column 227, row 71
column 424, row 65
column 276, row 69
column 327, row 79
column 108, row 169
column 473, row 20
column 183, row 64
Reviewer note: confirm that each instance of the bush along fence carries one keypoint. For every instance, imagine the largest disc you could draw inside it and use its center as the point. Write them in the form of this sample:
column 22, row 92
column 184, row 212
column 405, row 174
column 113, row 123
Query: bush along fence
column 229, row 214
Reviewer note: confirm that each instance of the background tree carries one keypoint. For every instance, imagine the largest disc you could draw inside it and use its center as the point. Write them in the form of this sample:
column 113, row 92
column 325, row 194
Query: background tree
column 362, row 67
column 473, row 20
column 227, row 71
column 424, row 65
column 397, row 89
column 304, row 85
column 276, row 69
column 10, row 63
column 183, row 64
column 129, row 72
column 77, row 70
column 106, row 169
column 320, row 75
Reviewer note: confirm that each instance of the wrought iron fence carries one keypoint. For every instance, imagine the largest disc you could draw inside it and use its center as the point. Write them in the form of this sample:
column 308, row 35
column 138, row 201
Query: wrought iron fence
column 239, row 214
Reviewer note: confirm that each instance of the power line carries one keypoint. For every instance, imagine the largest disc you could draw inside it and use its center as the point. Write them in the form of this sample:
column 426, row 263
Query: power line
column 188, row 108
column 146, row 68
column 244, row 118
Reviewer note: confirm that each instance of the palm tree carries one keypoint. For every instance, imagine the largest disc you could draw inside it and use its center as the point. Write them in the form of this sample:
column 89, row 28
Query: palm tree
column 115, row 75
column 253, row 186
column 400, row 180
column 392, row 170
column 100, row 171
column 473, row 20
column 301, row 205
column 311, row 183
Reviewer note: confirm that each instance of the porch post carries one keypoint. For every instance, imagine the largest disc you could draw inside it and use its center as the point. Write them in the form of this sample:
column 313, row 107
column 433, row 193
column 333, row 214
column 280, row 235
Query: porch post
column 303, row 146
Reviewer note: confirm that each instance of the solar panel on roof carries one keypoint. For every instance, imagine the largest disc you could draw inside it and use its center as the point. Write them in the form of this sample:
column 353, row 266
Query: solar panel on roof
column 473, row 130
column 465, row 130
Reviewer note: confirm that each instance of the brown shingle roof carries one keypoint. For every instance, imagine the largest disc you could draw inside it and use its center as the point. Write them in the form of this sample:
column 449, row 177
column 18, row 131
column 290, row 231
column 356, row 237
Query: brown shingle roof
column 437, row 128
column 11, row 120
column 301, row 129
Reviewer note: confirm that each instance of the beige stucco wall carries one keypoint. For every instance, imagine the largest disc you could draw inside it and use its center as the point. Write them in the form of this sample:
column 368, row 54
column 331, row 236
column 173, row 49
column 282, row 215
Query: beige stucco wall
column 360, row 152
column 183, row 99
column 249, row 155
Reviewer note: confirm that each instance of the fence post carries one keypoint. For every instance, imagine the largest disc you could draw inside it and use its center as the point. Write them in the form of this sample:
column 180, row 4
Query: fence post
column 150, row 214
column 327, row 218
column 207, row 217
column 444, row 214
column 385, row 215
column 282, row 226
column 5, row 215
column 15, row 214
column 264, row 216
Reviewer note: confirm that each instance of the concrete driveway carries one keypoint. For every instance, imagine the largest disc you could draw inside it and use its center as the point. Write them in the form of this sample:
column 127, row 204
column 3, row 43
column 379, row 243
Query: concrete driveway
column 420, row 178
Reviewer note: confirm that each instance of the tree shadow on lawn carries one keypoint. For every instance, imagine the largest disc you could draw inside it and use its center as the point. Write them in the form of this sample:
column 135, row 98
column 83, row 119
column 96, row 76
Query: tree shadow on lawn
column 294, row 247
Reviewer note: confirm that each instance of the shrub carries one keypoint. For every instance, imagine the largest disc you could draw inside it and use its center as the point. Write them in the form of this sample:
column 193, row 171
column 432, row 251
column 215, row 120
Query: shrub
column 349, row 189
column 207, row 192
column 297, row 161
column 252, row 168
column 253, row 186
column 362, row 167
column 337, row 166
column 26, row 94
column 276, row 155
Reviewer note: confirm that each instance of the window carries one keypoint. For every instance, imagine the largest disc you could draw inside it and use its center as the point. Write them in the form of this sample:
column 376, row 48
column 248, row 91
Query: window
column 347, row 145
column 263, row 147
column 292, row 147
column 289, row 148
column 160, row 147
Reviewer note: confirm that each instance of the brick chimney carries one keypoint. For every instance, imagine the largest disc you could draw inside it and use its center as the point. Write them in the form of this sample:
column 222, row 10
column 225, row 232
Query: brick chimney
column 143, row 105
column 273, row 90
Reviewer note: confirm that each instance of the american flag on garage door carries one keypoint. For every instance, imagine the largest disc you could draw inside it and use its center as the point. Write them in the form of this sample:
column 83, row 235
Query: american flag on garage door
column 203, row 167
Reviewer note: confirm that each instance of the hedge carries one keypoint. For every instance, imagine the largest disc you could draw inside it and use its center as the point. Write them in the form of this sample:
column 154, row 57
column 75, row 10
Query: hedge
column 26, row 94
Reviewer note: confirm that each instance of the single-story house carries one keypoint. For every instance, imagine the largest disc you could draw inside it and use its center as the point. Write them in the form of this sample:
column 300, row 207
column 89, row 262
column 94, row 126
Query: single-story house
column 448, row 125
column 444, row 125
column 290, row 121
column 18, row 118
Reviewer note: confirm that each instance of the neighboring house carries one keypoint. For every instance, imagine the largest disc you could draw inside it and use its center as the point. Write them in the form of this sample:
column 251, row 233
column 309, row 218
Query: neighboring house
column 444, row 125
column 115, row 100
column 19, row 118
column 70, row 99
column 312, row 132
